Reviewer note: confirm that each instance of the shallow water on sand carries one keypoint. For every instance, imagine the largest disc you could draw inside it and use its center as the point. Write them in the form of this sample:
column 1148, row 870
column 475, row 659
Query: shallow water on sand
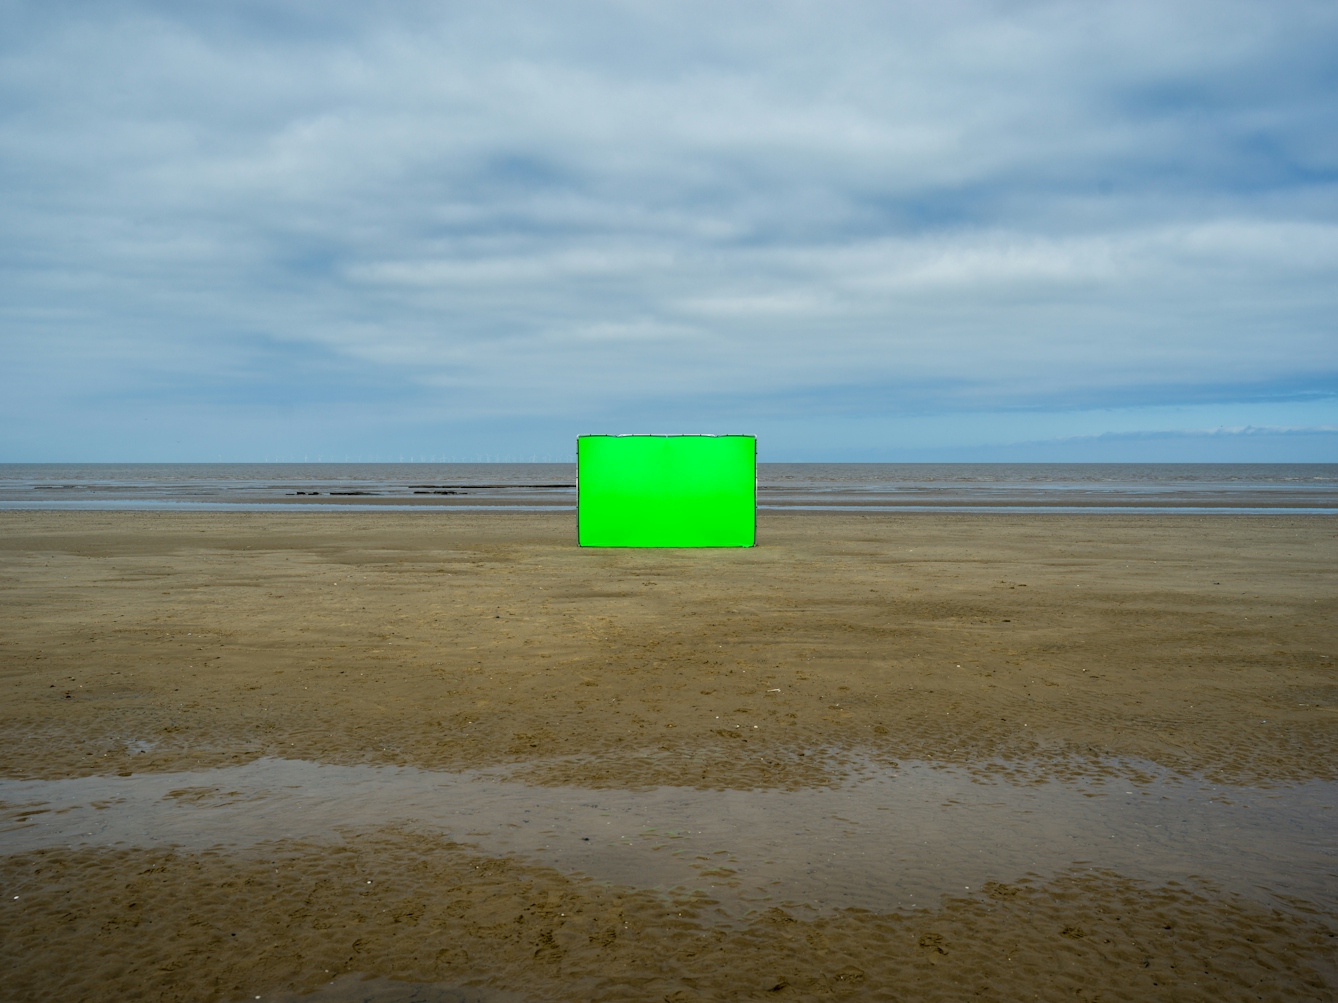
column 358, row 989
column 885, row 839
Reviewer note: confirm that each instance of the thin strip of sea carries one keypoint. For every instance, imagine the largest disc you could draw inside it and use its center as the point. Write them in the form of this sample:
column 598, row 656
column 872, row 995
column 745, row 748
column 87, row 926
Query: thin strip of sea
column 1289, row 488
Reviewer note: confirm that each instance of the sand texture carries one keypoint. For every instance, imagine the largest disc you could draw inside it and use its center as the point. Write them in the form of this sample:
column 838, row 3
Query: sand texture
column 1055, row 648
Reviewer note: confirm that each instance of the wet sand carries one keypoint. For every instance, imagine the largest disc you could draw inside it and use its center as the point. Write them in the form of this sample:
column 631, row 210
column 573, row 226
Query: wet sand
column 1104, row 653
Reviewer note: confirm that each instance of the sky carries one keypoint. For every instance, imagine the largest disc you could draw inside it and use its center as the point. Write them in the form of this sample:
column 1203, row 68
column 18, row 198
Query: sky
column 979, row 231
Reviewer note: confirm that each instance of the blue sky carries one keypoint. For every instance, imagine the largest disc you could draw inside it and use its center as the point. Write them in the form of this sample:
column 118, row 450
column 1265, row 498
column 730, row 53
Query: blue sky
column 977, row 231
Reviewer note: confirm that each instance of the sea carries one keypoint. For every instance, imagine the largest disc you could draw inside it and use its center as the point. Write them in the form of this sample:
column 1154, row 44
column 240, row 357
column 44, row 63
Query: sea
column 1288, row 488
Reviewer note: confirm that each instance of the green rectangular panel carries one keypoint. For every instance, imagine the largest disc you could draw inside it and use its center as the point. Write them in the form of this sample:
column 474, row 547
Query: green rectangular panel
column 666, row 490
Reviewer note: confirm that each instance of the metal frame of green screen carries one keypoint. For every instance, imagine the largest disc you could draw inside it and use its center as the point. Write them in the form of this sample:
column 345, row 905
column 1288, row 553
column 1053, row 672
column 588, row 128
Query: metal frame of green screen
column 666, row 435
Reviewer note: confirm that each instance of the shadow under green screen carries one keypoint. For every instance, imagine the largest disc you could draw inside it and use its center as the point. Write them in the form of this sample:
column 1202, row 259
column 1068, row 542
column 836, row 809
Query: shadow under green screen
column 666, row 490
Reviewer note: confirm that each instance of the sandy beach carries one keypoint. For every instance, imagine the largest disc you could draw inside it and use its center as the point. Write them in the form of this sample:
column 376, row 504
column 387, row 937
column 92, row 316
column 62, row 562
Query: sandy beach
column 1102, row 652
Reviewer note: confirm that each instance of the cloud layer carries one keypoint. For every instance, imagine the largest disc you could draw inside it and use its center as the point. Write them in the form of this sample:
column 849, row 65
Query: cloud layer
column 367, row 223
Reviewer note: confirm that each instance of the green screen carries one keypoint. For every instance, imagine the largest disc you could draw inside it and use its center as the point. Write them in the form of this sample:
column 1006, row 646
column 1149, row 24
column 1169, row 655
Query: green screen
column 666, row 490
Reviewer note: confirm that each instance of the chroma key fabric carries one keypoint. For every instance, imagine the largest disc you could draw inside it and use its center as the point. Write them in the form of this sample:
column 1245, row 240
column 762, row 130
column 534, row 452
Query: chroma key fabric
column 666, row 490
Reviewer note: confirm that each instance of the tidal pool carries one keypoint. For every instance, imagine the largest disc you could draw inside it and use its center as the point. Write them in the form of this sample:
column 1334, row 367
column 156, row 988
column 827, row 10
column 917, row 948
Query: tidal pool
column 885, row 839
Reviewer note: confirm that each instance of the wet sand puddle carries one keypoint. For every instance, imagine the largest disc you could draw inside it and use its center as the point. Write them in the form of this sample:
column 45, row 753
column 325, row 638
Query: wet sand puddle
column 886, row 839
column 359, row 989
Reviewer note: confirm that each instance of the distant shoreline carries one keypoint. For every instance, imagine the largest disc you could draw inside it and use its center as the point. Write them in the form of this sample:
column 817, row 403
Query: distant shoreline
column 502, row 508
column 901, row 488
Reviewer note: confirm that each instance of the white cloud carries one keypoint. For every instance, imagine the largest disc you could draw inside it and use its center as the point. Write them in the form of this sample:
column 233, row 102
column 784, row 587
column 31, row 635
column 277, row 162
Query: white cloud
column 616, row 206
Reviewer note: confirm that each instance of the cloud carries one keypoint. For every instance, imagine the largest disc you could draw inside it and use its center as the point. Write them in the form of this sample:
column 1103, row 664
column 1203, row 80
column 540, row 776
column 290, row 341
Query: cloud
column 622, row 210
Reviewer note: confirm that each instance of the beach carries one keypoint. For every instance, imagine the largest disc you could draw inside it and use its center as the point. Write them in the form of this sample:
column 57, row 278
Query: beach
column 1109, row 655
